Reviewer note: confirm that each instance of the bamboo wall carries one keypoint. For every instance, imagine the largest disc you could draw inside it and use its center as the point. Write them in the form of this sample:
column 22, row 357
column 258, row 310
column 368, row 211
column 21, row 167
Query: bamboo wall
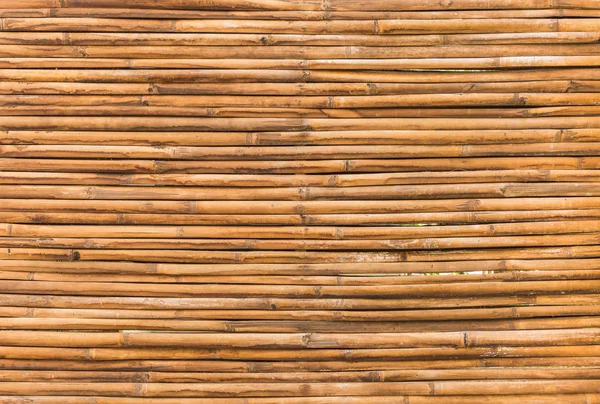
column 299, row 201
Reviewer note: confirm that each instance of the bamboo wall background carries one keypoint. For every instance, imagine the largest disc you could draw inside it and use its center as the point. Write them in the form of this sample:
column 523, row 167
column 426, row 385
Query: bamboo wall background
column 299, row 201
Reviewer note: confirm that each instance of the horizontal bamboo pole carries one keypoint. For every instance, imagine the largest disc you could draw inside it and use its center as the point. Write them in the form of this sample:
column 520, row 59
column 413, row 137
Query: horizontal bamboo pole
column 298, row 5
column 303, row 291
column 402, row 279
column 288, row 124
column 287, row 367
column 265, row 303
column 337, row 180
column 526, row 316
column 284, row 88
column 319, row 245
column 288, row 52
column 387, row 192
column 361, row 376
column 313, row 76
column 298, row 166
column 479, row 208
column 276, row 14
column 34, row 217
column 369, row 27
column 167, row 76
column 438, row 137
column 173, row 39
column 237, row 112
column 230, row 153
column 310, row 389
column 398, row 279
column 92, row 355
column 297, row 232
column 316, row 67
column 304, row 269
column 397, row 399
column 298, row 257
column 377, row 101
column 285, row 325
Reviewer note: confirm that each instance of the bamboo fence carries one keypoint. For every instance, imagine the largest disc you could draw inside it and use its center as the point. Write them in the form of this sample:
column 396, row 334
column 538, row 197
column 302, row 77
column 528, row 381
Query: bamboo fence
column 299, row 201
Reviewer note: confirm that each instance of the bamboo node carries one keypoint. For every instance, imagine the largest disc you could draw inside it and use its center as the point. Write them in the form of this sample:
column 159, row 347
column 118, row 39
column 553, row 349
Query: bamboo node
column 141, row 377
column 305, row 220
column 74, row 255
column 338, row 234
column 89, row 193
column 376, row 376
column 139, row 390
column 307, row 339
column 347, row 165
column 120, row 219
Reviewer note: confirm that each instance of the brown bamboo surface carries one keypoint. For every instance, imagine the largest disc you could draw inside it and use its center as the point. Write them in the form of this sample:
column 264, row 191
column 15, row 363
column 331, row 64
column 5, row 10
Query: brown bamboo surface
column 299, row 201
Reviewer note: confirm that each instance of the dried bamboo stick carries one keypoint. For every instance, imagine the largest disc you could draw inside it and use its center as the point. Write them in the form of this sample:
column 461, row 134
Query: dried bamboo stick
column 497, row 266
column 170, row 39
column 34, row 217
column 311, row 389
column 303, row 291
column 526, row 316
column 284, row 88
column 307, row 232
column 439, row 137
column 298, row 166
column 479, row 208
column 311, row 245
column 338, row 180
column 432, row 191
